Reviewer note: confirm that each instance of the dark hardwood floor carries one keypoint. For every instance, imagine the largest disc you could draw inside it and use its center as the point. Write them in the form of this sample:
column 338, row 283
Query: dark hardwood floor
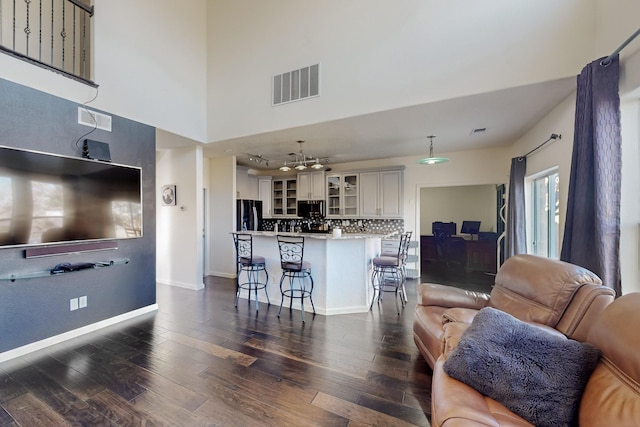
column 200, row 361
column 455, row 275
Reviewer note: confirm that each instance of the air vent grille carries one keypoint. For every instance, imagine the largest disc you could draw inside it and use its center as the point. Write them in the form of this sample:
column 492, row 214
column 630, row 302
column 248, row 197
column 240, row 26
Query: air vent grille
column 296, row 85
column 94, row 119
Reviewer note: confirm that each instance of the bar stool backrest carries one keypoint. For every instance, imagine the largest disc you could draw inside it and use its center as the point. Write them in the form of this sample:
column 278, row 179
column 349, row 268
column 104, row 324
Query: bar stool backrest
column 404, row 245
column 291, row 252
column 244, row 248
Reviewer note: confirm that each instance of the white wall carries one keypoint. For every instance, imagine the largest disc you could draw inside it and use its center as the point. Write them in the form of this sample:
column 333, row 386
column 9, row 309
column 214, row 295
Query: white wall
column 554, row 154
column 222, row 208
column 630, row 201
column 457, row 204
column 616, row 20
column 377, row 55
column 149, row 60
column 179, row 228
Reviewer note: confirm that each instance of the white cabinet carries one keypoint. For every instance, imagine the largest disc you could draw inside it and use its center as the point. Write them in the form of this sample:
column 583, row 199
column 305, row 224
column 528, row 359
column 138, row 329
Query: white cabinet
column 284, row 197
column 311, row 186
column 265, row 194
column 342, row 195
column 381, row 194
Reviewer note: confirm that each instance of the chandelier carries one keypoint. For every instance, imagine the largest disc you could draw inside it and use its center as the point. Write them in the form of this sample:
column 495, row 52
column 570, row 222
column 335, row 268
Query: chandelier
column 432, row 160
column 302, row 161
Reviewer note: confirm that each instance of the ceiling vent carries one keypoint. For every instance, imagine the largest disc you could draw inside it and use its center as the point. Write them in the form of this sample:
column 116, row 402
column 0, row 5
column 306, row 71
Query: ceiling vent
column 296, row 85
column 478, row 130
column 94, row 119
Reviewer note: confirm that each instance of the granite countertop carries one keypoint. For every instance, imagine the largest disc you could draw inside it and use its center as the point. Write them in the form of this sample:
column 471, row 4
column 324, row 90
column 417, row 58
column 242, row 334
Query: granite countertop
column 319, row 236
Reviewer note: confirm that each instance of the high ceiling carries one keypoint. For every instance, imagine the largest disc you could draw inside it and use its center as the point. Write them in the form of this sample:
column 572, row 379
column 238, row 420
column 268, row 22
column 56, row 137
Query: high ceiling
column 506, row 115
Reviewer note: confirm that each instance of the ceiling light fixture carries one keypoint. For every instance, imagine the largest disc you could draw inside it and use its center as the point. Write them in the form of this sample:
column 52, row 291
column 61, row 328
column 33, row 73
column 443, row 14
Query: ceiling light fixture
column 258, row 158
column 432, row 160
column 285, row 168
column 302, row 161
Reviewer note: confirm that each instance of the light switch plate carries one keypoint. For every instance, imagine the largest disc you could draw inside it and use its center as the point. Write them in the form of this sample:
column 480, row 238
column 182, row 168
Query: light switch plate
column 73, row 304
column 82, row 301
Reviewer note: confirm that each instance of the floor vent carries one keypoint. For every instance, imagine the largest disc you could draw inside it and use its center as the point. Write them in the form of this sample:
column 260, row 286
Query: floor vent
column 296, row 85
column 94, row 119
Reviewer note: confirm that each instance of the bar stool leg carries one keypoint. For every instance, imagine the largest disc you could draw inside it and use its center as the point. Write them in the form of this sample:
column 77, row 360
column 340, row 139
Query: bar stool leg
column 311, row 294
column 238, row 273
column 374, row 278
column 302, row 289
column 256, row 277
column 266, row 284
column 281, row 295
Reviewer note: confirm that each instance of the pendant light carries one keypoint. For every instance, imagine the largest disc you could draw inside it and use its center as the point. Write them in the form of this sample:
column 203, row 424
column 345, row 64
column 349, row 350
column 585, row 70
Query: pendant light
column 432, row 160
column 285, row 168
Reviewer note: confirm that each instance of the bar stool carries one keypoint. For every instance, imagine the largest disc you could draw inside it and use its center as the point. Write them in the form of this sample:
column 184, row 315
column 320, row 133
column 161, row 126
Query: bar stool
column 297, row 270
column 389, row 273
column 252, row 265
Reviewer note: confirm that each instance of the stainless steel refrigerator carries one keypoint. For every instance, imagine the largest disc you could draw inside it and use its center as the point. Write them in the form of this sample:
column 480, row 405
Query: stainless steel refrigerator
column 249, row 215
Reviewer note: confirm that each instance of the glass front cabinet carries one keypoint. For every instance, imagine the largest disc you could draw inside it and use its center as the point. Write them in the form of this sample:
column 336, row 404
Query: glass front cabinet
column 342, row 195
column 284, row 197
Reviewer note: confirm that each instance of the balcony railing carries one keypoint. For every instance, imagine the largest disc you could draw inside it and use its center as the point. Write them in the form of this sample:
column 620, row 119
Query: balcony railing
column 55, row 34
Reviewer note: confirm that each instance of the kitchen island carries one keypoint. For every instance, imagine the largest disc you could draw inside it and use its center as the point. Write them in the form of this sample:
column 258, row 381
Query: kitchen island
column 340, row 266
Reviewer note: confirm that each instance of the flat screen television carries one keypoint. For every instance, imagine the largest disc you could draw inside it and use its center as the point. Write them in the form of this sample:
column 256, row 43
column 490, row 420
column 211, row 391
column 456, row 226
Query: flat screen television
column 470, row 227
column 48, row 199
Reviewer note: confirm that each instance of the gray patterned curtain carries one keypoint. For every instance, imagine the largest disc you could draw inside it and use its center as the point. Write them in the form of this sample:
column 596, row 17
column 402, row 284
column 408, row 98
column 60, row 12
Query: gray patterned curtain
column 516, row 240
column 592, row 227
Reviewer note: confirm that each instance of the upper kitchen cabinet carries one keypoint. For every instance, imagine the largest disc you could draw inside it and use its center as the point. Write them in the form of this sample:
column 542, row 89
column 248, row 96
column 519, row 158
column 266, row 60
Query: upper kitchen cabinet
column 311, row 186
column 265, row 194
column 381, row 194
column 342, row 195
column 284, row 197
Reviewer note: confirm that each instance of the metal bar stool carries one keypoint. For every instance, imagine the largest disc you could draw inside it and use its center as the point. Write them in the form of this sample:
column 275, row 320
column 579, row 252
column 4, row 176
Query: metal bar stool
column 402, row 254
column 297, row 270
column 251, row 265
column 389, row 274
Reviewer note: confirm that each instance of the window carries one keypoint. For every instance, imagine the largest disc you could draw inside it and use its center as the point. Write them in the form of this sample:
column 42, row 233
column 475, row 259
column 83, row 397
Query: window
column 545, row 215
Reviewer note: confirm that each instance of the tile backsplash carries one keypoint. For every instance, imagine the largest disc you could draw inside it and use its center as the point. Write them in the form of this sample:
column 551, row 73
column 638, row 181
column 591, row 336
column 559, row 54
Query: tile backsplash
column 381, row 226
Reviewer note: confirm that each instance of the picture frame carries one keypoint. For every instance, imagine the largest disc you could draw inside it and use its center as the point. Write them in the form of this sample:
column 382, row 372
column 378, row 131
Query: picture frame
column 168, row 195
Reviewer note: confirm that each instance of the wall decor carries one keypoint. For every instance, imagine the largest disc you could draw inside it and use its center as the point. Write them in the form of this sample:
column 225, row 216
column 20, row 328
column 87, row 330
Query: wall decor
column 168, row 194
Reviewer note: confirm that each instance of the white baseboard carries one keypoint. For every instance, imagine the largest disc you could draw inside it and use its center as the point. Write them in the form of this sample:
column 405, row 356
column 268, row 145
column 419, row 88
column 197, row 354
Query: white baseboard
column 223, row 275
column 307, row 306
column 194, row 287
column 47, row 342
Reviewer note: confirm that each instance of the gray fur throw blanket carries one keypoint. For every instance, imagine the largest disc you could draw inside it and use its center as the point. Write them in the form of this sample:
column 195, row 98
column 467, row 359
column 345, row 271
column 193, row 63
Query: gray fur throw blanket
column 536, row 374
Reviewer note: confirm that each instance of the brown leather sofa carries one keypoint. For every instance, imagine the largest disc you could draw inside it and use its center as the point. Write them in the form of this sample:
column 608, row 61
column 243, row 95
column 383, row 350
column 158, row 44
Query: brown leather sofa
column 611, row 396
column 549, row 293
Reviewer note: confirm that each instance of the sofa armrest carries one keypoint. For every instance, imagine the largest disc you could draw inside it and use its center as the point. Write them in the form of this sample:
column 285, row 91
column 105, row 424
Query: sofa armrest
column 454, row 403
column 448, row 296
column 452, row 333
column 457, row 314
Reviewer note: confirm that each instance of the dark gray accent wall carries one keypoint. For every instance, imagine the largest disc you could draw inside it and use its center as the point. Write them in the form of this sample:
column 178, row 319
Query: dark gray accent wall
column 35, row 309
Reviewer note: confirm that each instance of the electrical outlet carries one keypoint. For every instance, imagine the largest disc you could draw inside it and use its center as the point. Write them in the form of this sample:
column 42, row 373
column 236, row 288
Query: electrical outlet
column 73, row 304
column 82, row 301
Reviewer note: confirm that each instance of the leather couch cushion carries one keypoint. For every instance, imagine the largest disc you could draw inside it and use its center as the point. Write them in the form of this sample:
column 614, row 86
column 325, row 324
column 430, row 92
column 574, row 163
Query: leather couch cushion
column 536, row 289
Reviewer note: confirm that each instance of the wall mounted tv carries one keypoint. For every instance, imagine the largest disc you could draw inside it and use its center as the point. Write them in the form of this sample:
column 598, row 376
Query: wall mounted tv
column 48, row 199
